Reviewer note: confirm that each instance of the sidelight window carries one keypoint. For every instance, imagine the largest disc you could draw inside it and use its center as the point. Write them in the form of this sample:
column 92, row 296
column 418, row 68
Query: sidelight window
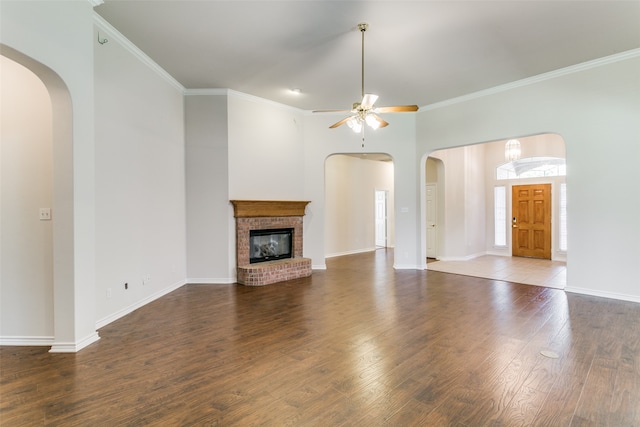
column 500, row 216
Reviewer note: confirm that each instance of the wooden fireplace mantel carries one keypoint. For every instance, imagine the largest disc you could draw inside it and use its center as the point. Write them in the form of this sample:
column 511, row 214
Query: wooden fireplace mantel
column 267, row 208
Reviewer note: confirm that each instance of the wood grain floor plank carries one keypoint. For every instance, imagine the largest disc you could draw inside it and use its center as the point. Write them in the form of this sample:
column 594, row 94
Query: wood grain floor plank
column 357, row 344
column 597, row 393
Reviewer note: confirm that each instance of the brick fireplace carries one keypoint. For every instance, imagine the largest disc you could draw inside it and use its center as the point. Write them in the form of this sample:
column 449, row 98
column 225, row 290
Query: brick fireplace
column 264, row 215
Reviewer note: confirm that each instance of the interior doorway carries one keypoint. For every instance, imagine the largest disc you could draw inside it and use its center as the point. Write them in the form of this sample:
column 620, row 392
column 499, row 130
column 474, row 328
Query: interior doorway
column 472, row 224
column 358, row 218
column 431, row 197
column 381, row 218
column 61, row 320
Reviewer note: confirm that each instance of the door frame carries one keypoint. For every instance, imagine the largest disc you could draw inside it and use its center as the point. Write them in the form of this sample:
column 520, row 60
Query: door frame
column 434, row 227
column 377, row 238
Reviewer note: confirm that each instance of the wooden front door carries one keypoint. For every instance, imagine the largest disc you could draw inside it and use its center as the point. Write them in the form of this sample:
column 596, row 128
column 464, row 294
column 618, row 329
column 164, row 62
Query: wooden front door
column 531, row 221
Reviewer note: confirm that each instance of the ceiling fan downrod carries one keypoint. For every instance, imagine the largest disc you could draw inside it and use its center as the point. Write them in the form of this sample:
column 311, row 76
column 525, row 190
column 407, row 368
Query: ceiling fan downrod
column 363, row 27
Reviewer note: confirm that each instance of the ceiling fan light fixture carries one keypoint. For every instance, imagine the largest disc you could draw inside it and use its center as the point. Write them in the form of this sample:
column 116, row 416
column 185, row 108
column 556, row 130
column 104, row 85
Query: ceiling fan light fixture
column 356, row 125
column 372, row 121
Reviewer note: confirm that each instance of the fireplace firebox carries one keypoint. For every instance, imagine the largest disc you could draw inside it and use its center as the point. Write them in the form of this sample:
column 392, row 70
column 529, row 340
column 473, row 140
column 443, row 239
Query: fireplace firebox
column 270, row 244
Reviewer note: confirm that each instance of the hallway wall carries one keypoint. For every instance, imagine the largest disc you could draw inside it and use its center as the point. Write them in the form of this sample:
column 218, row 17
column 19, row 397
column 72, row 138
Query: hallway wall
column 26, row 282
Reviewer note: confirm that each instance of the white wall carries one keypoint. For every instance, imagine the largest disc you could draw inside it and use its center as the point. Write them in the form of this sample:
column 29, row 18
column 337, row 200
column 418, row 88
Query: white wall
column 476, row 196
column 140, row 181
column 210, row 230
column 265, row 150
column 54, row 40
column 26, row 159
column 595, row 110
column 350, row 184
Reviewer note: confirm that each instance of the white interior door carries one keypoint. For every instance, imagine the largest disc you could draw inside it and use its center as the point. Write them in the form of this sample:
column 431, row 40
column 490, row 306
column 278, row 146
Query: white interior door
column 432, row 214
column 381, row 218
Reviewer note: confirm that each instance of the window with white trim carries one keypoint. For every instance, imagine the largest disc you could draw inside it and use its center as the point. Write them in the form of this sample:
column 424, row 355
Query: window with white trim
column 500, row 216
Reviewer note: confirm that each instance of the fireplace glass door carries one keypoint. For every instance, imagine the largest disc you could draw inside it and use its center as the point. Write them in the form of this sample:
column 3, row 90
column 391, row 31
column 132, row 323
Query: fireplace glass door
column 270, row 244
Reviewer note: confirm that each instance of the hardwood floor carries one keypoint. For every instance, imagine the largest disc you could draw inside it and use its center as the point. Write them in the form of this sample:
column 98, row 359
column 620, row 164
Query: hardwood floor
column 356, row 345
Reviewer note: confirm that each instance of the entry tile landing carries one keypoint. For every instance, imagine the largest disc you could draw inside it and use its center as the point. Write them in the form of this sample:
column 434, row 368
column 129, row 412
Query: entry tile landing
column 529, row 271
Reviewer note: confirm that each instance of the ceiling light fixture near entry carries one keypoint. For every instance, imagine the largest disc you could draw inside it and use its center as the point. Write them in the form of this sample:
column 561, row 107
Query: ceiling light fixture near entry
column 512, row 150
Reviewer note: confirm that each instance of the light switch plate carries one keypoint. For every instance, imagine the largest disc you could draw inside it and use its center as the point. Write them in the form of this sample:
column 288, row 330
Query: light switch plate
column 45, row 214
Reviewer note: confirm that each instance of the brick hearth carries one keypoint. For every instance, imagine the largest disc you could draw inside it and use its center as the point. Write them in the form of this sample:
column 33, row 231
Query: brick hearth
column 267, row 214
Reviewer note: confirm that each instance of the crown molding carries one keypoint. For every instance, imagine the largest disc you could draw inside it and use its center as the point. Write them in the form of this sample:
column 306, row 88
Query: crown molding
column 95, row 3
column 198, row 92
column 133, row 49
column 634, row 53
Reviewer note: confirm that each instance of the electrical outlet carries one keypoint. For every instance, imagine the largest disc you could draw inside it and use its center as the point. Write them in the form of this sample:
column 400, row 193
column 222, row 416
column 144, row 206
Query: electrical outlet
column 45, row 214
column 146, row 279
column 108, row 293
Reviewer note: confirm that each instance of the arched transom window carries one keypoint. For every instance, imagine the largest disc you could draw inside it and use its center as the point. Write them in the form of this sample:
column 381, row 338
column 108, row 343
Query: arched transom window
column 532, row 167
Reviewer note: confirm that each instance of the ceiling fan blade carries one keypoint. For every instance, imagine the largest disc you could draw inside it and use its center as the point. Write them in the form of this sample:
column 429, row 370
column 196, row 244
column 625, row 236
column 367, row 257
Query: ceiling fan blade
column 368, row 100
column 383, row 123
column 397, row 109
column 341, row 122
column 331, row 111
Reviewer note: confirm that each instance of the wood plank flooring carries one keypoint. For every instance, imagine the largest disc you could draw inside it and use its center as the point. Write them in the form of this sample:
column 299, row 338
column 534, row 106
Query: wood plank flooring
column 356, row 345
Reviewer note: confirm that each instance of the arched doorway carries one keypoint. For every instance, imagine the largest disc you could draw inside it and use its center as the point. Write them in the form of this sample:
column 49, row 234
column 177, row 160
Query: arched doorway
column 351, row 184
column 27, row 240
column 468, row 201
column 67, row 299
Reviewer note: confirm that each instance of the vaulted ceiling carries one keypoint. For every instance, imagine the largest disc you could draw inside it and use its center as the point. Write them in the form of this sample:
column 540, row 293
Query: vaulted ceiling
column 416, row 52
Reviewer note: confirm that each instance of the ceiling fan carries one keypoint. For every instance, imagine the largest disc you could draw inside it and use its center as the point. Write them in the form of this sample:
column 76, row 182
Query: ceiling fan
column 365, row 111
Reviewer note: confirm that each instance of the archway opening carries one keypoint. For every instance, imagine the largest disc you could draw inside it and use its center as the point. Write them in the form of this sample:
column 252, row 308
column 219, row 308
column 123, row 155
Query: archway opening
column 352, row 182
column 62, row 208
column 469, row 182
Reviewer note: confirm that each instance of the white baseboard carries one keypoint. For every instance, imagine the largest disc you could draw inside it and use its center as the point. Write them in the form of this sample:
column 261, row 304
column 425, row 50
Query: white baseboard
column 353, row 252
column 27, row 341
column 407, row 267
column 206, row 281
column 498, row 253
column 319, row 267
column 117, row 315
column 602, row 294
column 74, row 347
column 464, row 258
